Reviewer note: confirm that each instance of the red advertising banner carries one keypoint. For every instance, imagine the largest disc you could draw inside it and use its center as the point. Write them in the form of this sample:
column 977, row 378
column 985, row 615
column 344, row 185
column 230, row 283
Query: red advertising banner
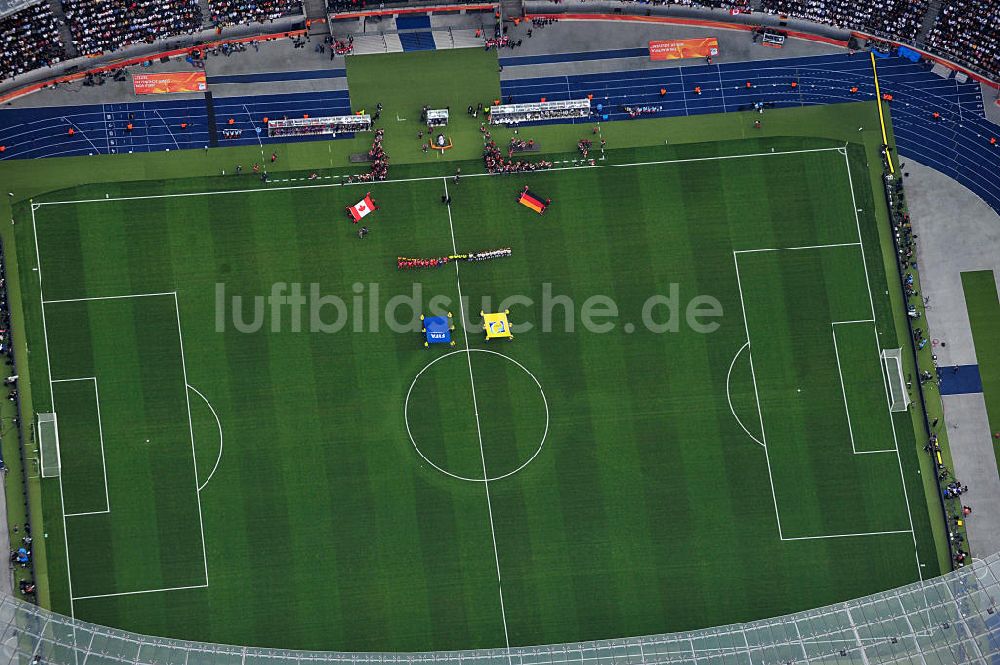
column 674, row 49
column 155, row 84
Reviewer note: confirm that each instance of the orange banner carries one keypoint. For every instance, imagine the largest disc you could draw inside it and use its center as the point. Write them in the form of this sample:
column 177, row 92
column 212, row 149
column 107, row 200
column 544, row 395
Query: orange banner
column 155, row 84
column 674, row 49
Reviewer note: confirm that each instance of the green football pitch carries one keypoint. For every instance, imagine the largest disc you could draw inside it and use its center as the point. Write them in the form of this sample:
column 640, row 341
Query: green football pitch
column 690, row 428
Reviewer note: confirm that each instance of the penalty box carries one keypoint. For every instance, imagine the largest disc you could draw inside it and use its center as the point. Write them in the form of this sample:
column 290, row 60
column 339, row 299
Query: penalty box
column 128, row 479
column 821, row 392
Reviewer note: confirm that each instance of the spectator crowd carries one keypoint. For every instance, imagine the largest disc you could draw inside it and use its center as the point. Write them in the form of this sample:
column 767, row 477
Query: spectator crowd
column 969, row 31
column 30, row 39
column 235, row 12
column 893, row 19
column 105, row 25
column 736, row 6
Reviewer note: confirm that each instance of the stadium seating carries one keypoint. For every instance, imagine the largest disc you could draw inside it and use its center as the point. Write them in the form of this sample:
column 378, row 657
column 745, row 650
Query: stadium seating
column 98, row 25
column 892, row 19
column 235, row 12
column 741, row 5
column 30, row 40
column 338, row 6
column 969, row 31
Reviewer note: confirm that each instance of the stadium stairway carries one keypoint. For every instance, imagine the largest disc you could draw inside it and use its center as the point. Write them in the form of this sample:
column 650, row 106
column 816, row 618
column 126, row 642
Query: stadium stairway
column 422, row 40
column 64, row 32
column 206, row 12
column 413, row 22
column 512, row 8
column 957, row 144
column 463, row 39
column 414, row 32
column 376, row 43
column 315, row 9
column 930, row 18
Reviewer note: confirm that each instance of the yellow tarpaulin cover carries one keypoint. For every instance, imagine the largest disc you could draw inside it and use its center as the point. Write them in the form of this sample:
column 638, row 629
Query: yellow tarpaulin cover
column 496, row 325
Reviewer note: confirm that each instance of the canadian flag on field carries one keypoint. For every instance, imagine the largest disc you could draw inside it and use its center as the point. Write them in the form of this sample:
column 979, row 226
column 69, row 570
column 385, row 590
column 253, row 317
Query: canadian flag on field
column 361, row 208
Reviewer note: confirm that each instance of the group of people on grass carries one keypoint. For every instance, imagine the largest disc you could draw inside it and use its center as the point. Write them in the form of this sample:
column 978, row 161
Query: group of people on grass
column 406, row 263
column 378, row 159
column 489, row 254
column 496, row 163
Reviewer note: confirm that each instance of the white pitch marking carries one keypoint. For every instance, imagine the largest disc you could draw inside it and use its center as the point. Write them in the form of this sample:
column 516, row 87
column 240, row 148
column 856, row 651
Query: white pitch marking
column 843, row 390
column 52, row 403
column 760, row 412
column 790, row 249
column 878, row 351
column 850, row 535
column 194, row 459
column 217, row 422
column 479, row 433
column 136, row 593
column 426, row 178
column 100, row 430
column 729, row 397
column 129, row 295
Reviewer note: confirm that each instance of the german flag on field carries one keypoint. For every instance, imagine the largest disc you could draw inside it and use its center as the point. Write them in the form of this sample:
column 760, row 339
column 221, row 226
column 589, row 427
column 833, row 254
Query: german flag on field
column 533, row 201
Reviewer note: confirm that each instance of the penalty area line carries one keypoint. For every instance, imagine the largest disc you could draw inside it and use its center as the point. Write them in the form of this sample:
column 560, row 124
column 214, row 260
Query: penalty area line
column 851, row 535
column 141, row 591
column 792, row 249
column 121, row 297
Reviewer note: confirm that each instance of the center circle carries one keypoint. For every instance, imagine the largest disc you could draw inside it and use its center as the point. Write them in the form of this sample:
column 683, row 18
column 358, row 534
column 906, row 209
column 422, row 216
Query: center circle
column 463, row 415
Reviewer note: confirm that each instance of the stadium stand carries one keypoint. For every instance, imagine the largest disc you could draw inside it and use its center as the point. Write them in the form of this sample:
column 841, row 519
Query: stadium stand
column 236, row 12
column 30, row 40
column 99, row 26
column 892, row 19
column 741, row 5
column 338, row 6
column 969, row 31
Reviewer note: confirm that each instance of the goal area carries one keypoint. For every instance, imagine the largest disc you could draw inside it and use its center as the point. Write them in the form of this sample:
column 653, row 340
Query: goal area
column 899, row 396
column 48, row 445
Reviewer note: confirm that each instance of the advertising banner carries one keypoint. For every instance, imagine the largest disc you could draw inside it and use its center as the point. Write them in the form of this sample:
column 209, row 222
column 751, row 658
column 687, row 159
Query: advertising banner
column 156, row 84
column 674, row 49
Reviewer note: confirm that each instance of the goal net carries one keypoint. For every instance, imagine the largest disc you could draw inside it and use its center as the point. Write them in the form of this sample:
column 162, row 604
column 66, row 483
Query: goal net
column 899, row 396
column 48, row 445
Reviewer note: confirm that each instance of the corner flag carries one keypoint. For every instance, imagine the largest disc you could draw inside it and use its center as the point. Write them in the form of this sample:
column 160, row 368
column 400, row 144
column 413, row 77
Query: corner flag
column 361, row 208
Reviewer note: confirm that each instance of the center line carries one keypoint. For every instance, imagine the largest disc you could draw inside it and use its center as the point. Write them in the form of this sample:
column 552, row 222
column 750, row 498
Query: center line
column 479, row 432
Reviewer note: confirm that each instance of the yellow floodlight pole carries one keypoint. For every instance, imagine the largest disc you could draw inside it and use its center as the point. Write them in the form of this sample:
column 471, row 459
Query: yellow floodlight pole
column 881, row 116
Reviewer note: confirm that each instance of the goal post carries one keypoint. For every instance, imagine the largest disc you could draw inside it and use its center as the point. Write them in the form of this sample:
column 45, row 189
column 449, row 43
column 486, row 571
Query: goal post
column 899, row 396
column 48, row 445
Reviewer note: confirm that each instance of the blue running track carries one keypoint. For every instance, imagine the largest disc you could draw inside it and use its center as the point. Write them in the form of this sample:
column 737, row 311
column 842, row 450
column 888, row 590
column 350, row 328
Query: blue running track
column 957, row 145
column 101, row 128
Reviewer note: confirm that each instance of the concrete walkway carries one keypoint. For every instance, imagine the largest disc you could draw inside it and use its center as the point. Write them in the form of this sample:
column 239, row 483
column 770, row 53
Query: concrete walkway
column 957, row 233
column 581, row 36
